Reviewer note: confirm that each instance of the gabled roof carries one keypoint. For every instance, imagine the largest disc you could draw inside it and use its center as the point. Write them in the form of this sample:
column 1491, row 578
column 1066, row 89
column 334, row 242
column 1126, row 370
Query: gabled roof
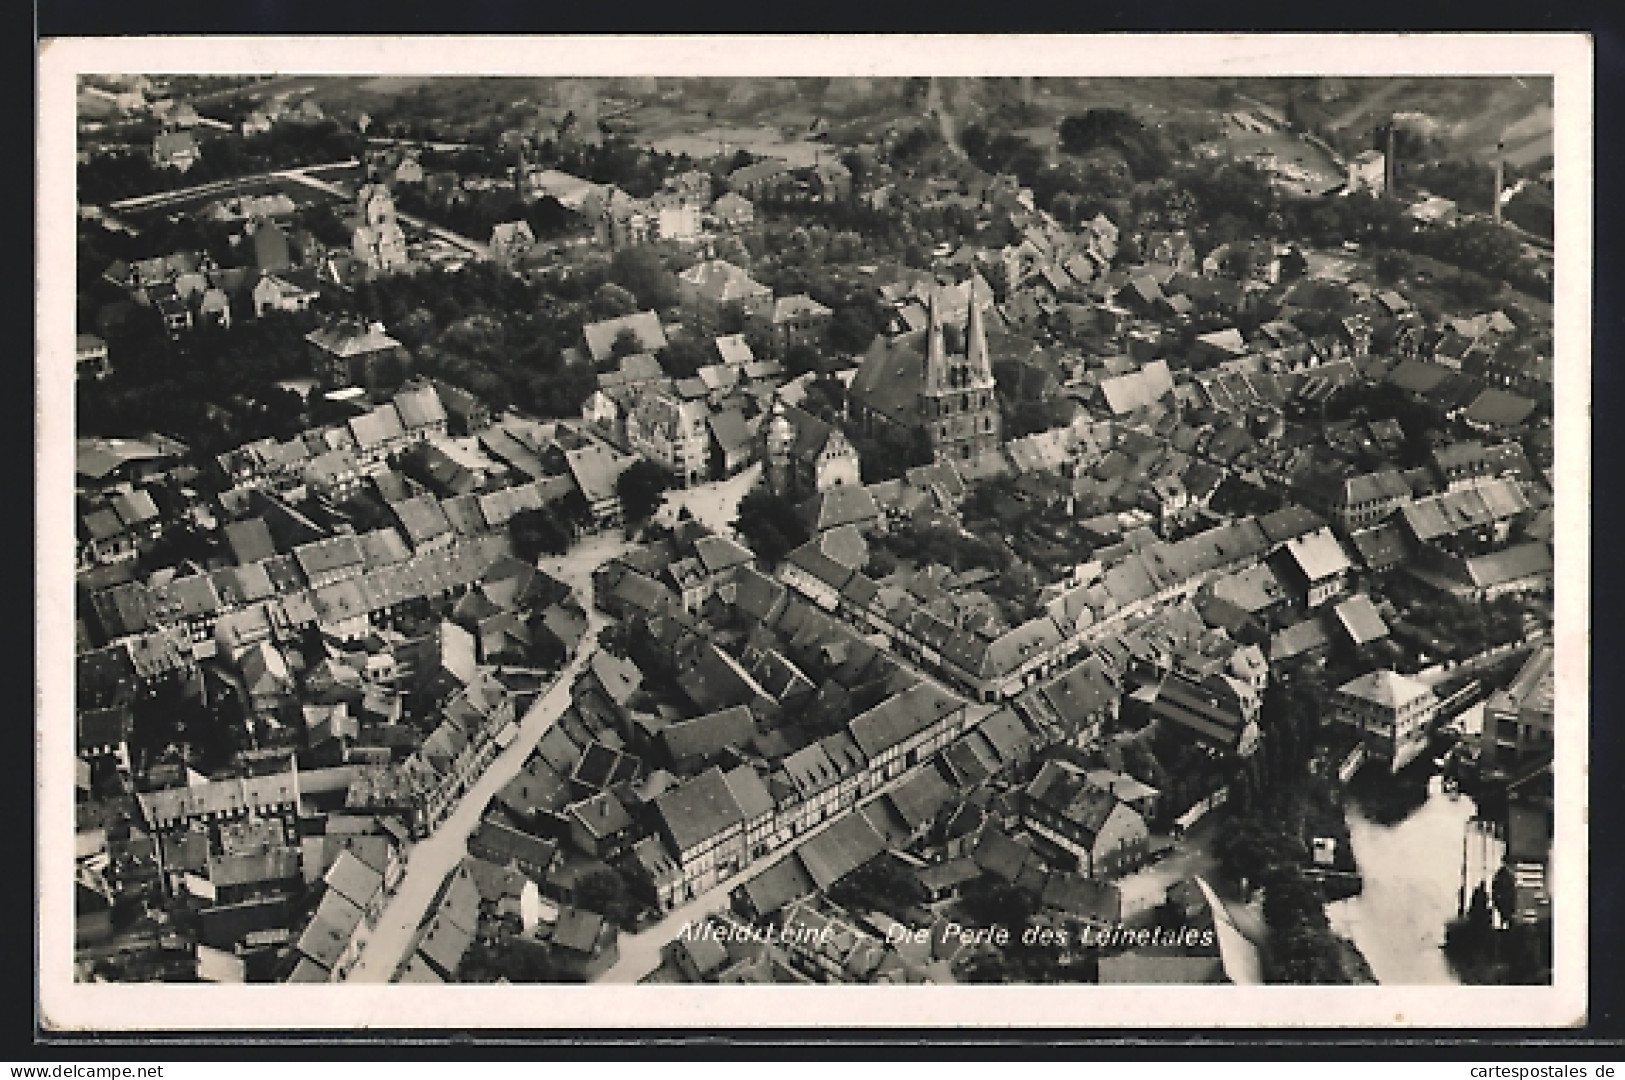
column 1499, row 408
column 1360, row 620
column 734, row 349
column 1317, row 555
column 419, row 406
column 789, row 308
column 846, row 844
column 900, row 718
column 703, row 737
column 749, row 791
column 421, row 519
column 699, row 809
column 1127, row 393
column 1510, row 564
column 921, row 797
column 351, row 339
column 377, row 428
column 783, row 883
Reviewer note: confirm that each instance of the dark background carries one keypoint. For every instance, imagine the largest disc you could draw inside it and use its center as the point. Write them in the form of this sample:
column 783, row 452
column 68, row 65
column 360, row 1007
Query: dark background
column 20, row 1038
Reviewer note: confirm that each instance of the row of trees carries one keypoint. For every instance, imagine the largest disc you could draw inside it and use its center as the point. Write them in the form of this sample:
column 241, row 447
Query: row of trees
column 1486, row 945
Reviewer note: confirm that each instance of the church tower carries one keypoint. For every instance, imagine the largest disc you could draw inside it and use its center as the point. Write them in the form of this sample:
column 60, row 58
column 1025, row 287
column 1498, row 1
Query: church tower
column 777, row 463
column 959, row 406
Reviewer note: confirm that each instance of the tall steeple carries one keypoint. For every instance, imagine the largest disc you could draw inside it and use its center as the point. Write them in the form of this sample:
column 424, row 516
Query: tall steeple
column 780, row 439
column 936, row 350
column 976, row 358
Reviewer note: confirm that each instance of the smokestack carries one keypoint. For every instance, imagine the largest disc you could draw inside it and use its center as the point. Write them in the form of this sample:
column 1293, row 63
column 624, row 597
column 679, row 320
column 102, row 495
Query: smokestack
column 1500, row 168
column 1388, row 170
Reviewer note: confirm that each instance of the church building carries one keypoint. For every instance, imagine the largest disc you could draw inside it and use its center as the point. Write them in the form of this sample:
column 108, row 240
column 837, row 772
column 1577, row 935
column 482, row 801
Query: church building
column 919, row 381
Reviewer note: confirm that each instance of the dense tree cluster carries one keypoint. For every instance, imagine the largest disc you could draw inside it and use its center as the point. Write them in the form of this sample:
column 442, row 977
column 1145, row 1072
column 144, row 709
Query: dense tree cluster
column 212, row 388
column 770, row 525
column 492, row 333
column 640, row 488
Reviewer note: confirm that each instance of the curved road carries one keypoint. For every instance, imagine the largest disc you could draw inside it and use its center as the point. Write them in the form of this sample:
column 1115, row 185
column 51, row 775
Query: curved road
column 430, row 860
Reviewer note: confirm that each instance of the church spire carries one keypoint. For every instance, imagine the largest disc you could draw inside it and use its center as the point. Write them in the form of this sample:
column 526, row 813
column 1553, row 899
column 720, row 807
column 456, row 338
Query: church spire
column 936, row 351
column 976, row 339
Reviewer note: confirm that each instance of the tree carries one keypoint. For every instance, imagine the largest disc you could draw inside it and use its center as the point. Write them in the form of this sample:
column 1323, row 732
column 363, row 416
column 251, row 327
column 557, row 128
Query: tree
column 988, row 901
column 626, row 343
column 684, row 356
column 606, row 892
column 884, row 884
column 1393, row 265
column 535, row 533
column 611, row 301
column 801, row 358
column 1504, row 893
column 640, row 270
column 640, row 487
column 1095, row 128
column 770, row 525
column 1291, row 899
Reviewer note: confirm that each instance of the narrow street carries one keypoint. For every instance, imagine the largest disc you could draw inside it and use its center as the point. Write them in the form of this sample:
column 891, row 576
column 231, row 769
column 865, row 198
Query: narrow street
column 429, row 861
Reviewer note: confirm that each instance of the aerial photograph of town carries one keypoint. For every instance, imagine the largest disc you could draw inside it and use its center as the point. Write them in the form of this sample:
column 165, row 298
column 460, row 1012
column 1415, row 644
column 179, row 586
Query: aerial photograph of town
column 845, row 530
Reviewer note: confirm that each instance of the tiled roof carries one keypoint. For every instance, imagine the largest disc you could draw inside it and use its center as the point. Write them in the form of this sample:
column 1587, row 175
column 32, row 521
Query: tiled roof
column 699, row 809
column 1386, row 688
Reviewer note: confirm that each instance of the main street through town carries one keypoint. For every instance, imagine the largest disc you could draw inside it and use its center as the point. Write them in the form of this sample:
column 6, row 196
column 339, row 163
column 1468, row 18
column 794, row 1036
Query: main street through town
column 430, row 860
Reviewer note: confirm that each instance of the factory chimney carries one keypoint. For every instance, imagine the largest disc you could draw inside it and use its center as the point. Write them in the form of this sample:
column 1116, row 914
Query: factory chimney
column 1388, row 170
column 1500, row 182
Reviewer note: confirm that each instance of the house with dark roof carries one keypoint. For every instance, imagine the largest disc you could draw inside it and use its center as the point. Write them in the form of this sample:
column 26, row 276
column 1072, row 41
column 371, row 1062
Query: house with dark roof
column 704, row 828
column 849, row 842
column 804, row 455
column 504, row 845
column 349, row 352
column 1356, row 502
column 905, row 730
column 920, row 799
column 1219, row 712
column 1100, row 833
column 688, row 743
column 1381, row 548
column 583, row 944
column 769, row 891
